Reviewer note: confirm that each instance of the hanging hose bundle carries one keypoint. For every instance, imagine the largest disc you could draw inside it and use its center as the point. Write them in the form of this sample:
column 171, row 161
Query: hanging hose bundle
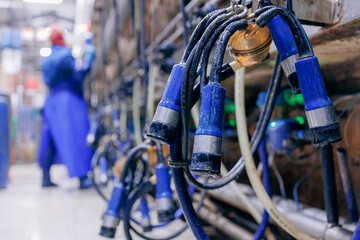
column 170, row 124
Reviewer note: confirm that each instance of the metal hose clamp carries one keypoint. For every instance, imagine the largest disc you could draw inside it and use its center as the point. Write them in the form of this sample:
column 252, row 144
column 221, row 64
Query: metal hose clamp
column 234, row 4
column 243, row 11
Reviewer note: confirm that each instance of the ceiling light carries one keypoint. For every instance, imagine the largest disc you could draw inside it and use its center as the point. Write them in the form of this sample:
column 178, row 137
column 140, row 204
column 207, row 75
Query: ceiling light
column 45, row 52
column 44, row 1
column 43, row 34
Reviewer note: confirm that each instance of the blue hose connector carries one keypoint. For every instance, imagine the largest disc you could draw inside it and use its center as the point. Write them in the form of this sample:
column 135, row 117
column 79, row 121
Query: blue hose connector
column 287, row 49
column 206, row 157
column 145, row 216
column 319, row 109
column 280, row 134
column 164, row 201
column 111, row 217
column 167, row 114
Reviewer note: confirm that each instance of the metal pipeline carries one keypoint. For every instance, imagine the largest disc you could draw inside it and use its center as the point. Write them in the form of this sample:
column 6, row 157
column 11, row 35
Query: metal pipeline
column 224, row 225
column 310, row 220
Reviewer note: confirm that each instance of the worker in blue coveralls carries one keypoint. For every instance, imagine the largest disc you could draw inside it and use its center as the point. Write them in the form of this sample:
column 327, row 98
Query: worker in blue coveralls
column 65, row 115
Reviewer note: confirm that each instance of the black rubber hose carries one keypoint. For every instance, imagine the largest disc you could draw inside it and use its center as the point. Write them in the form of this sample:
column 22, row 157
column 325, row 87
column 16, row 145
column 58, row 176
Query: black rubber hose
column 186, row 204
column 198, row 33
column 329, row 183
column 129, row 158
column 258, row 135
column 221, row 48
column 301, row 39
column 207, row 50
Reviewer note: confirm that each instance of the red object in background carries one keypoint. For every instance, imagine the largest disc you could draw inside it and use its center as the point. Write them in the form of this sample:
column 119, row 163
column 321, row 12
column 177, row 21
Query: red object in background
column 57, row 38
column 87, row 28
column 32, row 83
column 57, row 35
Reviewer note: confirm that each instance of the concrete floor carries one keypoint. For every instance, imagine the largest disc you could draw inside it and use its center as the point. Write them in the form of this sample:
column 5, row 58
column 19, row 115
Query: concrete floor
column 29, row 212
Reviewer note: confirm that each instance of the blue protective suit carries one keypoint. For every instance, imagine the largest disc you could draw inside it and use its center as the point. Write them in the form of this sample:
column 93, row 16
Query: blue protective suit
column 65, row 115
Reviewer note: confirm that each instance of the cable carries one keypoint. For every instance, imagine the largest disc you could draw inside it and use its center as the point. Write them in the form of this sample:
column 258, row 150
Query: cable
column 278, row 175
column 297, row 184
column 347, row 107
column 251, row 169
column 302, row 157
column 345, row 98
column 129, row 158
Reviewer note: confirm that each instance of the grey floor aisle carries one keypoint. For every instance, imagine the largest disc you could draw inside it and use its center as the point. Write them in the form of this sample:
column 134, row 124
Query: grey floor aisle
column 29, row 212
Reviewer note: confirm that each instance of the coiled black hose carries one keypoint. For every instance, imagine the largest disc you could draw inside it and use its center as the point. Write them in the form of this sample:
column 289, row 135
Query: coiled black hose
column 139, row 192
column 129, row 158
